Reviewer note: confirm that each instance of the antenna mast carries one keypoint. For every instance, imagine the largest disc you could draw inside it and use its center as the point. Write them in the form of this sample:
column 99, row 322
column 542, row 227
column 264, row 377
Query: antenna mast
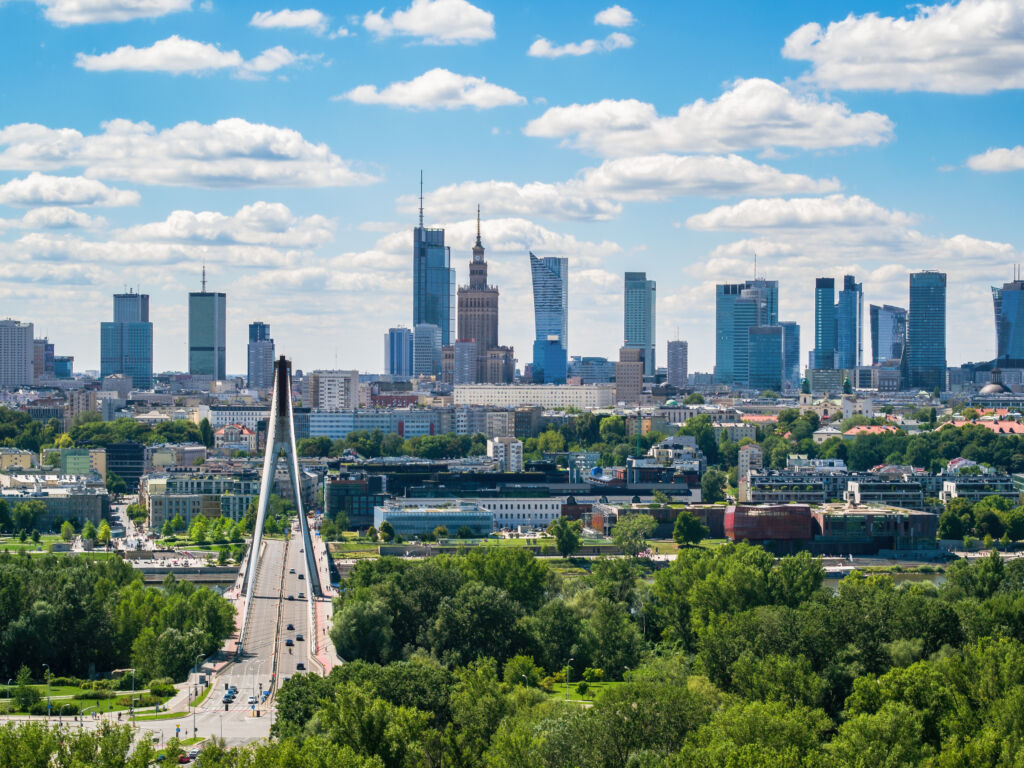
column 421, row 199
column 204, row 277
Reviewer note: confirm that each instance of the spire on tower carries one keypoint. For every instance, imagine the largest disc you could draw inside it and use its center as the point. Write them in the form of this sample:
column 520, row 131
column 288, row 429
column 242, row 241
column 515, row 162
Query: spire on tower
column 479, row 244
column 421, row 199
column 204, row 277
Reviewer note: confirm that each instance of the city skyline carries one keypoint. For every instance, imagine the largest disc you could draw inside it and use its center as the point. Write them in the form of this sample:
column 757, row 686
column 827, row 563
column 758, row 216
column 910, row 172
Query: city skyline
column 308, row 215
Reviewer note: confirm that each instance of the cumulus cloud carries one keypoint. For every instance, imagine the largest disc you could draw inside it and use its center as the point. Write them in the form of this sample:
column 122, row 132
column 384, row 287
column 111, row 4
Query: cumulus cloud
column 73, row 12
column 307, row 18
column 545, row 49
column 437, row 89
column 180, row 56
column 974, row 46
column 998, row 160
column 834, row 210
column 54, row 217
column 42, row 189
column 751, row 114
column 598, row 193
column 229, row 153
column 436, row 22
column 615, row 16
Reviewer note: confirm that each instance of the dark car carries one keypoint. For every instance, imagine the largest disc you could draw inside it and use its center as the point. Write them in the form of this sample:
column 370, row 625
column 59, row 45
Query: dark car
column 300, row 665
column 289, row 641
column 302, row 595
column 290, row 626
column 291, row 597
column 298, row 637
column 291, row 570
column 302, row 576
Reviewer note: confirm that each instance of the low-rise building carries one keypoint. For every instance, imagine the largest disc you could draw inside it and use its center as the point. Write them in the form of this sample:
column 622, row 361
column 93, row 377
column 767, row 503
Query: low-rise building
column 66, row 497
column 974, row 488
column 234, row 437
column 189, row 494
column 354, row 496
column 15, row 458
column 410, row 520
column 582, row 396
column 878, row 491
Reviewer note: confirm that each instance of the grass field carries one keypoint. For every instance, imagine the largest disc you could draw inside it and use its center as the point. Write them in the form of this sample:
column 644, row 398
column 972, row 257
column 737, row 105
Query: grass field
column 593, row 691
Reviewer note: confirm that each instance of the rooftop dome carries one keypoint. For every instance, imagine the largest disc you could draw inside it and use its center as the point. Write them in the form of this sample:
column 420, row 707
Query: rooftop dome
column 996, row 386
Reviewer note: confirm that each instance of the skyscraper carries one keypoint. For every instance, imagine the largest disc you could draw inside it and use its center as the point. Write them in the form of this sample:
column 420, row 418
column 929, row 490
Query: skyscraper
column 1008, row 302
column 640, row 298
column 850, row 325
column 888, row 332
column 738, row 306
column 260, row 356
column 765, row 357
column 824, row 323
column 678, row 353
column 791, row 352
column 16, row 354
column 550, row 307
column 926, row 330
column 42, row 359
column 426, row 350
column 433, row 279
column 207, row 334
column 478, row 317
column 126, row 344
column 398, row 351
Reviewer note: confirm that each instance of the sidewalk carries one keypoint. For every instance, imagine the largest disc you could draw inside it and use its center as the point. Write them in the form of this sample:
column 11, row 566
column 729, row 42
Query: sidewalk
column 323, row 648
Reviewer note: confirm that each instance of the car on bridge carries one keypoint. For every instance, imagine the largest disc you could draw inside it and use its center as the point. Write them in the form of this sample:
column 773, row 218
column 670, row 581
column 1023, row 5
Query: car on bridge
column 290, row 626
column 302, row 595
column 300, row 666
column 302, row 576
column 299, row 637
column 289, row 642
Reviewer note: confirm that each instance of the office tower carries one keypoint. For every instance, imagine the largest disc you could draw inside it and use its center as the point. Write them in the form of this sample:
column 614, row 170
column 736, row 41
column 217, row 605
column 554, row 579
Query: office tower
column 433, row 279
column 791, row 352
column 207, row 335
column 888, row 332
column 1008, row 303
column 639, row 323
column 926, row 331
column 824, row 323
column 260, row 356
column 63, row 366
column 478, row 310
column 550, row 309
column 550, row 365
column 629, row 375
column 592, row 370
column 42, row 359
column 849, row 319
column 16, row 353
column 758, row 305
column 126, row 344
column 678, row 354
column 465, row 362
column 333, row 390
column 765, row 357
column 426, row 350
column 398, row 351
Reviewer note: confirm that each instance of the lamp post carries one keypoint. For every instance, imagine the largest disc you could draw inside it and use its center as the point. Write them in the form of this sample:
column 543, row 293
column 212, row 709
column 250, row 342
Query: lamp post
column 132, row 708
column 195, row 706
column 47, row 666
column 568, row 671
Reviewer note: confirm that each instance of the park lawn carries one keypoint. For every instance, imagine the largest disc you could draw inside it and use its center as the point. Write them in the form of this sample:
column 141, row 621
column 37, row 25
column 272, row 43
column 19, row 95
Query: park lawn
column 664, row 547
column 593, row 691
column 565, row 567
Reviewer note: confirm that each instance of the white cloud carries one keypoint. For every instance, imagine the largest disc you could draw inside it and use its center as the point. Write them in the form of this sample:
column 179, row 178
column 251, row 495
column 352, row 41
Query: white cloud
column 41, row 189
column 974, row 46
column 180, row 56
column 754, row 113
column 437, row 89
column 71, row 12
column 998, row 160
column 832, row 211
column 598, row 193
column 307, row 18
column 229, row 153
column 437, row 22
column 615, row 16
column 543, row 48
column 54, row 217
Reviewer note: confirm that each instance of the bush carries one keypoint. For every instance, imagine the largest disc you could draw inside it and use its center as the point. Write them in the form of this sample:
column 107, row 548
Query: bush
column 141, row 700
column 162, row 689
column 96, row 694
column 582, row 687
column 593, row 674
column 547, row 684
column 59, row 706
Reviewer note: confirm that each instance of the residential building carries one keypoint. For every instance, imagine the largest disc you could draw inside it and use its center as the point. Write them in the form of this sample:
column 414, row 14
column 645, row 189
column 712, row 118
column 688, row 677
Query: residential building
column 234, row 437
column 507, row 452
column 16, row 458
column 426, row 356
column 207, row 333
column 824, row 323
column 849, row 319
column 678, row 354
column 260, row 357
column 582, row 396
column 16, row 354
column 66, row 497
column 192, row 494
column 629, row 375
column 433, row 299
column 926, row 331
column 333, row 390
column 750, row 458
column 974, row 488
column 550, row 277
column 888, row 333
column 126, row 344
column 398, row 348
column 639, row 323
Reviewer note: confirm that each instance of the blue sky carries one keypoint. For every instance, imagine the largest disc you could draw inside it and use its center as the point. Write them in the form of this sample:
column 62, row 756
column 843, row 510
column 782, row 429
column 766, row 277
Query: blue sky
column 281, row 144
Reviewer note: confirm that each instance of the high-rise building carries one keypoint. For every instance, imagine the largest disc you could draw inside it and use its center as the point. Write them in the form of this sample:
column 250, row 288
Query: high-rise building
column 465, row 362
column 926, row 331
column 888, row 333
column 629, row 375
column 16, row 353
column 333, row 390
column 640, row 299
column 260, row 356
column 1008, row 302
column 765, row 357
column 678, row 354
column 433, row 279
column 507, row 452
column 550, row 365
column 126, row 344
column 849, row 319
column 824, row 323
column 426, row 350
column 791, row 352
column 738, row 306
column 63, row 366
column 478, row 310
column 42, row 359
column 550, row 307
column 398, row 351
column 207, row 333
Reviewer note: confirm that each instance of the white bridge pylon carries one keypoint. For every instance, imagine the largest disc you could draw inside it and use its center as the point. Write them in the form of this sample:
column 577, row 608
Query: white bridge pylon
column 280, row 438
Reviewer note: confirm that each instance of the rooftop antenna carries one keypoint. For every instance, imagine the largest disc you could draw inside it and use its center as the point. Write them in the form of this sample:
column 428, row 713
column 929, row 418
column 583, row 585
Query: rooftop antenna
column 204, row 277
column 478, row 221
column 421, row 199
column 755, row 265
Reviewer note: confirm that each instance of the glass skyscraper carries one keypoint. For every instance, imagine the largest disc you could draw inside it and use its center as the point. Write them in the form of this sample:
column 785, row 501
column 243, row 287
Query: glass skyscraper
column 1008, row 303
column 398, row 351
column 426, row 356
column 824, row 323
column 260, row 356
column 639, row 317
column 207, row 334
column 738, row 306
column 926, row 330
column 849, row 319
column 791, row 352
column 765, row 345
column 126, row 344
column 433, row 281
column 550, row 307
column 888, row 332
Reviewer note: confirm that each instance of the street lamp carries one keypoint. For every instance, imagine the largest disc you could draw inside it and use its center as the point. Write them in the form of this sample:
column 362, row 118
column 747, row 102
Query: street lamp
column 132, row 708
column 568, row 671
column 195, row 706
column 47, row 666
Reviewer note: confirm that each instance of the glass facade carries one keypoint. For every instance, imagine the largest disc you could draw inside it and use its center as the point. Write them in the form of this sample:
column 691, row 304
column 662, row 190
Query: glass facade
column 260, row 356
column 433, row 300
column 1008, row 303
column 398, row 352
column 824, row 323
column 426, row 357
column 639, row 316
column 765, row 345
column 207, row 345
column 126, row 344
column 926, row 330
column 549, row 362
column 791, row 352
column 888, row 332
column 737, row 307
column 550, row 306
column 850, row 324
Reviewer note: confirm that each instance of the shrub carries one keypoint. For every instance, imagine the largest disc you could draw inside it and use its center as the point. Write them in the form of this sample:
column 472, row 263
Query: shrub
column 593, row 674
column 582, row 687
column 96, row 695
column 162, row 689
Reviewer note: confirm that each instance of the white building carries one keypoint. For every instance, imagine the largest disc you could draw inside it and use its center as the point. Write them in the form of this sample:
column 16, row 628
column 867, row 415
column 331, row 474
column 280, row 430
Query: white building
column 508, row 512
column 750, row 458
column 333, row 390
column 507, row 451
column 16, row 354
column 582, row 396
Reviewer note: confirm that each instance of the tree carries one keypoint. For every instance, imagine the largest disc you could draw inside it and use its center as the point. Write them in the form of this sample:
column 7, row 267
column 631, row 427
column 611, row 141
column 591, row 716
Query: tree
column 103, row 535
column 695, row 398
column 712, row 486
column 67, row 531
column 206, row 433
column 89, row 532
column 631, row 531
column 478, row 621
column 441, row 532
column 167, row 530
column 116, row 484
column 25, row 695
column 361, row 629
column 387, row 531
column 464, row 532
column 27, row 514
column 567, row 535
column 688, row 529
